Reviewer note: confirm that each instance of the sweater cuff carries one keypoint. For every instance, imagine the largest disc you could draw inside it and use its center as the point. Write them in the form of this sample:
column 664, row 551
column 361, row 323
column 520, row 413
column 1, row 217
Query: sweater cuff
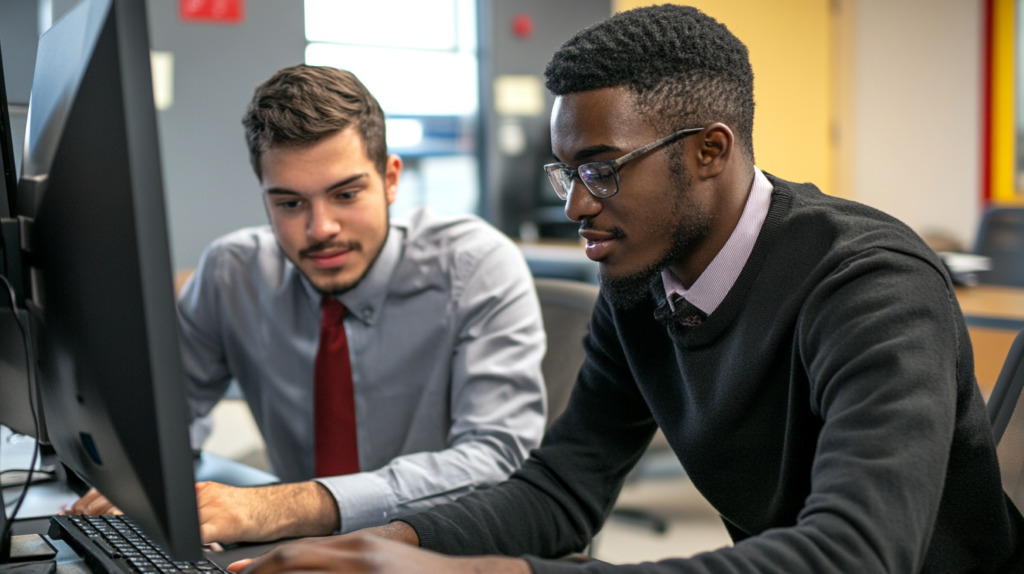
column 364, row 500
column 421, row 524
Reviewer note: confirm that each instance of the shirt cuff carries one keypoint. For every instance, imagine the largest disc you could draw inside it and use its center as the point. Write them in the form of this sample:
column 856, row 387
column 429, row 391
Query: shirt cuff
column 364, row 500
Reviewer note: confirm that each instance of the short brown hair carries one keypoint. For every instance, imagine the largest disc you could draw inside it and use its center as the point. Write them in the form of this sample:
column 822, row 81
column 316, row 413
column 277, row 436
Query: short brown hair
column 302, row 105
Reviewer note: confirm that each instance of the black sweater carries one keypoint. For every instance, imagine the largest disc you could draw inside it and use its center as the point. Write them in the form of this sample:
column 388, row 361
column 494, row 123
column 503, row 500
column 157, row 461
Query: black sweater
column 827, row 409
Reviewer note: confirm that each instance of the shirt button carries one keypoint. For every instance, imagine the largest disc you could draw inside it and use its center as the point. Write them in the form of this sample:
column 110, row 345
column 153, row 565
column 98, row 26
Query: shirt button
column 367, row 312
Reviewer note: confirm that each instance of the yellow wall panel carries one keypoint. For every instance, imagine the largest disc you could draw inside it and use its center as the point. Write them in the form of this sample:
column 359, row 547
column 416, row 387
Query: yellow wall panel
column 1003, row 123
column 789, row 44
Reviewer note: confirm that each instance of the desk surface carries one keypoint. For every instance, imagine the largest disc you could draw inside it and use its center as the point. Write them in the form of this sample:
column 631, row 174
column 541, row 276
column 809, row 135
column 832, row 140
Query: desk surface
column 992, row 306
column 994, row 316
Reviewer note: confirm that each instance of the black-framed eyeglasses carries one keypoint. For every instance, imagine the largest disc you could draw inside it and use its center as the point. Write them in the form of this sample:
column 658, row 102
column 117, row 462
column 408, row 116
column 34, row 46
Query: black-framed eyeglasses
column 601, row 178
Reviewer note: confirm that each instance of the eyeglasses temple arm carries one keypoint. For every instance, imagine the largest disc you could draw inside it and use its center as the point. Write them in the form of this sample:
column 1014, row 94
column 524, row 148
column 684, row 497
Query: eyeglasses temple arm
column 665, row 140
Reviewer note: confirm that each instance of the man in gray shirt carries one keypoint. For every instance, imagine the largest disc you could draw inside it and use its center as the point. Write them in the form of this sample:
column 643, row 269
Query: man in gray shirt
column 442, row 323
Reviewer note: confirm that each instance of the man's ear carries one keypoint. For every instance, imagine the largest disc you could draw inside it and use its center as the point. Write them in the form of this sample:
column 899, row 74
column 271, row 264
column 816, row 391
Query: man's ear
column 715, row 149
column 392, row 173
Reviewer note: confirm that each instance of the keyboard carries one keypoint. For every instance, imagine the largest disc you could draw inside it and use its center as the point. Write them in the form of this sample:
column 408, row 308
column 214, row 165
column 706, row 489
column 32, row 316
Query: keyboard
column 116, row 545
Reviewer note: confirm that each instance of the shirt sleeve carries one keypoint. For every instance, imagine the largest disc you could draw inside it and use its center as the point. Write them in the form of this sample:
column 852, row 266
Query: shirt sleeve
column 879, row 343
column 206, row 371
column 497, row 402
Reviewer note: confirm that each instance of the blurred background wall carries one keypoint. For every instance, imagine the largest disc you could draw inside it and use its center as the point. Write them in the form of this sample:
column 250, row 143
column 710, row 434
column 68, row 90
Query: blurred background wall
column 880, row 101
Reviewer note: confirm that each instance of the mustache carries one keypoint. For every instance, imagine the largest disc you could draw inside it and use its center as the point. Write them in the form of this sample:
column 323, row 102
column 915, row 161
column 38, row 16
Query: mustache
column 324, row 246
column 616, row 232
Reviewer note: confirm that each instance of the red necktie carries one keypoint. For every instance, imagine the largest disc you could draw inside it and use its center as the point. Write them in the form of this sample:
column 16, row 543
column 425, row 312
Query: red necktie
column 334, row 405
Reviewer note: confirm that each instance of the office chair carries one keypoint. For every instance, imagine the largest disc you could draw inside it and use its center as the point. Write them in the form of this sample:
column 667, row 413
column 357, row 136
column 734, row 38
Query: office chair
column 1001, row 237
column 1006, row 413
column 566, row 307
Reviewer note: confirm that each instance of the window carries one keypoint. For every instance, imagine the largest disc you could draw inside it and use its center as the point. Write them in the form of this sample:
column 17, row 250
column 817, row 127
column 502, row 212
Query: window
column 420, row 62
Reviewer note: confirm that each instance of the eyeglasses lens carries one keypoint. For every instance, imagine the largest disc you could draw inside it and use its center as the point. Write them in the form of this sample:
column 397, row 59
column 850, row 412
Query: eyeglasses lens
column 560, row 179
column 599, row 178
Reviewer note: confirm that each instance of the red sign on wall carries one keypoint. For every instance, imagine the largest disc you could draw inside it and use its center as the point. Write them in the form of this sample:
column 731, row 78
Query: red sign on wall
column 212, row 11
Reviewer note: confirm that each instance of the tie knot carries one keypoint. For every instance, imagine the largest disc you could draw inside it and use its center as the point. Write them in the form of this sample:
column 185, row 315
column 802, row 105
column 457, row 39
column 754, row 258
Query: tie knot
column 332, row 310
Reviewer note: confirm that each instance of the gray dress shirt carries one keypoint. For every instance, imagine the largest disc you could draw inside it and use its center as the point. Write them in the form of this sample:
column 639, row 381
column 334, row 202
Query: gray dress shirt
column 446, row 341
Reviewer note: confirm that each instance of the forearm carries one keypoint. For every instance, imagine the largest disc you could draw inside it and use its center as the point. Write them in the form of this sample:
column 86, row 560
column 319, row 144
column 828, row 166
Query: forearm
column 565, row 490
column 228, row 514
column 542, row 509
column 512, row 519
column 417, row 482
column 301, row 509
column 400, row 531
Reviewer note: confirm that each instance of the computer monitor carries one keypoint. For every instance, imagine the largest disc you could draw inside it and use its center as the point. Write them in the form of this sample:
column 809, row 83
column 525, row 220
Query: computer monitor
column 16, row 381
column 101, row 296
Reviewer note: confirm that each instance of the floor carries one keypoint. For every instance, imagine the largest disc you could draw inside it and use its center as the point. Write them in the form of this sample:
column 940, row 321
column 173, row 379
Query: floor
column 663, row 492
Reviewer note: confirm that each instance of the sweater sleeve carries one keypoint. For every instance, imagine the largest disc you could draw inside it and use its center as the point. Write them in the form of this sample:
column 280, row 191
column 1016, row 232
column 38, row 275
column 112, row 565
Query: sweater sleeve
column 878, row 344
column 566, row 489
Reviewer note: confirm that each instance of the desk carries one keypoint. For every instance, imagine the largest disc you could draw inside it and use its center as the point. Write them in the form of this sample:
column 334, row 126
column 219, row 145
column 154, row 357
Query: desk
column 46, row 499
column 994, row 316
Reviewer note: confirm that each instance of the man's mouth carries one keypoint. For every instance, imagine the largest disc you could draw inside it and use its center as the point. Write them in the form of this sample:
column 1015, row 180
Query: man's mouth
column 329, row 256
column 599, row 243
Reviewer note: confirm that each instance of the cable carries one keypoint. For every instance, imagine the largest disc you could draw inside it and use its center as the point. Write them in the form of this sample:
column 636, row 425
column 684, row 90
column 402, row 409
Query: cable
column 32, row 407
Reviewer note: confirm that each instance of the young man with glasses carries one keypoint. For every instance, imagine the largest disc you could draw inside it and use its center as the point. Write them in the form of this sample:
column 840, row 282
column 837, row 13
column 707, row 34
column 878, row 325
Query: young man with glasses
column 804, row 355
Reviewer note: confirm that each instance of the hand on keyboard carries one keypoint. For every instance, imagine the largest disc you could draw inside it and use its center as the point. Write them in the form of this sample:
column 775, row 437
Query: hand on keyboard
column 92, row 504
column 364, row 552
column 259, row 514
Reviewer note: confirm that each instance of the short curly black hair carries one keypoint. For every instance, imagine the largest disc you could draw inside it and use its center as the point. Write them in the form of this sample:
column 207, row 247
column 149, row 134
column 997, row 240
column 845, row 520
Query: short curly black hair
column 685, row 67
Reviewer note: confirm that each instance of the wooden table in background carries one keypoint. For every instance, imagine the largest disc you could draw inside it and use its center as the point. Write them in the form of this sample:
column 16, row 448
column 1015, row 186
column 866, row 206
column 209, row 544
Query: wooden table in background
column 994, row 316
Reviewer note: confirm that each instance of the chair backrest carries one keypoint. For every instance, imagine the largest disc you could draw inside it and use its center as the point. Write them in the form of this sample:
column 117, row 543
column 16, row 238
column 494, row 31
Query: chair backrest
column 566, row 307
column 1001, row 237
column 1006, row 413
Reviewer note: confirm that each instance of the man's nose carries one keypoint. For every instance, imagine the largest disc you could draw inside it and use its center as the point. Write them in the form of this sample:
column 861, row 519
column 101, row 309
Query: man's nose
column 580, row 203
column 323, row 223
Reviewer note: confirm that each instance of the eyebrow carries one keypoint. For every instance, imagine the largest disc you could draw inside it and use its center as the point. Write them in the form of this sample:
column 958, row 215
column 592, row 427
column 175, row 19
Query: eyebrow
column 587, row 153
column 344, row 182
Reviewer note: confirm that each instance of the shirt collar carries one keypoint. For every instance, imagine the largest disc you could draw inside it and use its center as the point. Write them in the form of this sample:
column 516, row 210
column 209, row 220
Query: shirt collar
column 710, row 289
column 365, row 300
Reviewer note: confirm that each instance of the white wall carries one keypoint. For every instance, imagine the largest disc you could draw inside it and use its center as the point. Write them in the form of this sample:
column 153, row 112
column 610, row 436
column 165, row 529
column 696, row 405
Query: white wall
column 917, row 81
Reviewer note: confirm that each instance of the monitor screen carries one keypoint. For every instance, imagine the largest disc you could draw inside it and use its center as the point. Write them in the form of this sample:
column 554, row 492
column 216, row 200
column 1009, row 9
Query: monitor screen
column 101, row 293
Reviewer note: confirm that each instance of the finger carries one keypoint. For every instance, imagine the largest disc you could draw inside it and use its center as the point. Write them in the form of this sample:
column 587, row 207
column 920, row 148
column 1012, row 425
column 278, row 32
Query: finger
column 240, row 565
column 98, row 506
column 82, row 503
column 309, row 558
